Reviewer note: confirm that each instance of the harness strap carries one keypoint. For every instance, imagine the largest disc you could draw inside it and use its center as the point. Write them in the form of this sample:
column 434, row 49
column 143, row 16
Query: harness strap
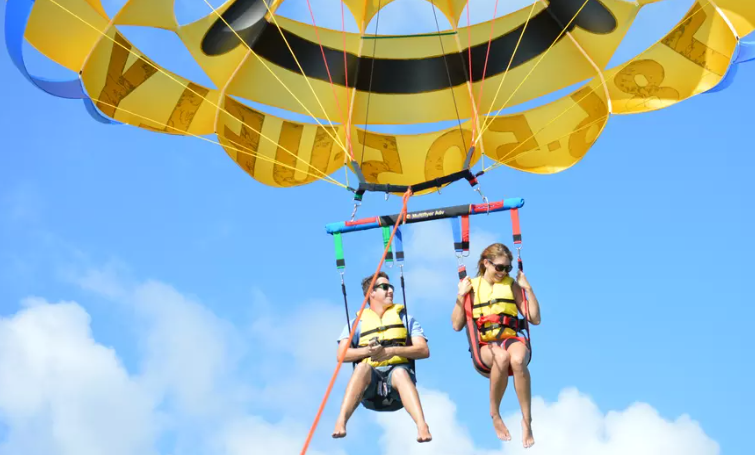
column 493, row 301
column 386, row 245
column 460, row 226
column 382, row 328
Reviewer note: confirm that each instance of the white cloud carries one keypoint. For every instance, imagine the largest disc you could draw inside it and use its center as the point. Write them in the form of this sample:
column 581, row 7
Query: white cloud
column 63, row 393
column 449, row 437
column 571, row 425
column 190, row 353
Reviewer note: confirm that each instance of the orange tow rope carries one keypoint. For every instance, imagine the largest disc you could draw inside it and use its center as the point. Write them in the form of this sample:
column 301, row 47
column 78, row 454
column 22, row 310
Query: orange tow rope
column 401, row 217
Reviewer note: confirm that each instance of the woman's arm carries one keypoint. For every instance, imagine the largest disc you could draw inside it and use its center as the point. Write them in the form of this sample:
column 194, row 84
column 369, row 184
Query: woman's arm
column 533, row 305
column 458, row 315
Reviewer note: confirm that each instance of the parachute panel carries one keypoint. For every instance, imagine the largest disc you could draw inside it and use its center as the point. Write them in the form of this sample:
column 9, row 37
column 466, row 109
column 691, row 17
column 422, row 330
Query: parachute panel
column 148, row 13
column 128, row 87
column 63, row 37
column 691, row 59
column 219, row 68
column 604, row 26
column 741, row 13
column 278, row 152
column 549, row 138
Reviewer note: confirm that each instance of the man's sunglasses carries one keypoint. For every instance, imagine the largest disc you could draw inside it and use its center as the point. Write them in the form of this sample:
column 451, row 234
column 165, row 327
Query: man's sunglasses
column 501, row 267
column 384, row 286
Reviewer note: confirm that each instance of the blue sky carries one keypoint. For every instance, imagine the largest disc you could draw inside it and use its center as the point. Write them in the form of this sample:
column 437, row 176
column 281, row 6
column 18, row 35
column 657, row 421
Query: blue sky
column 148, row 286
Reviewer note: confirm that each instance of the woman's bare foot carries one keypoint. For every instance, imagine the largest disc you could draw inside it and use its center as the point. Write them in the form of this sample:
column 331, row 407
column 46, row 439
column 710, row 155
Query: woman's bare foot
column 500, row 429
column 339, row 431
column 423, row 434
column 528, row 440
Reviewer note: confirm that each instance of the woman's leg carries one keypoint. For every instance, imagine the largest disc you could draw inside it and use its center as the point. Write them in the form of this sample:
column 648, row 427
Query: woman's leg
column 497, row 360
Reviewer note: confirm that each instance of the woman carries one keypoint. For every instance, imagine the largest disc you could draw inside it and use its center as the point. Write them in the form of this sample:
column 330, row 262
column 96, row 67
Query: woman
column 494, row 293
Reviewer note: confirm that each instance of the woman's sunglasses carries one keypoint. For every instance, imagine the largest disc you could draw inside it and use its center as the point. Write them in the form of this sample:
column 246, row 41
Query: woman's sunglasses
column 501, row 267
column 384, row 286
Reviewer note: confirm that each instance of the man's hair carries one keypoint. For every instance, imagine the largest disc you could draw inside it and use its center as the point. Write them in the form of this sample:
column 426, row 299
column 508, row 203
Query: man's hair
column 366, row 282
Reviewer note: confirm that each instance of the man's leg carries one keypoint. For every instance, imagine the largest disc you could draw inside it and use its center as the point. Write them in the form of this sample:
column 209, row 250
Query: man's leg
column 360, row 380
column 401, row 381
column 498, row 361
column 519, row 358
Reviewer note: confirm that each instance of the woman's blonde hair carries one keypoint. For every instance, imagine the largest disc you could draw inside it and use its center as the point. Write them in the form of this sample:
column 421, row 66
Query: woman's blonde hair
column 490, row 253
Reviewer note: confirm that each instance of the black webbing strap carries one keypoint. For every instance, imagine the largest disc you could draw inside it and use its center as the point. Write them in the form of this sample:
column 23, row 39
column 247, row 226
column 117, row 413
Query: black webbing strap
column 364, row 186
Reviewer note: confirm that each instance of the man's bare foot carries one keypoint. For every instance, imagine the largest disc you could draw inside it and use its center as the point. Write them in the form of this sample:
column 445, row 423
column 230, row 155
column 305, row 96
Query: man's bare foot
column 339, row 431
column 423, row 434
column 528, row 440
column 500, row 429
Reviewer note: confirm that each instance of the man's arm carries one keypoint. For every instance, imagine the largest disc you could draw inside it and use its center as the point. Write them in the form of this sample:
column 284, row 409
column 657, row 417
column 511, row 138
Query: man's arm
column 418, row 350
column 352, row 354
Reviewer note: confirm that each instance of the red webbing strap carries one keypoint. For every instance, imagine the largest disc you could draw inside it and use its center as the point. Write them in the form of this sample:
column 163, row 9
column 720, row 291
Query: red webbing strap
column 401, row 217
column 473, row 336
column 516, row 231
column 465, row 231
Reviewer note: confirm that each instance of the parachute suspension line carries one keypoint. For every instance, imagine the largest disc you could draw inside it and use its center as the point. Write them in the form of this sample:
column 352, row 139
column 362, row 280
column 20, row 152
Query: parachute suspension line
column 369, row 94
column 517, row 235
column 327, row 67
column 558, row 37
column 487, row 57
column 450, row 83
column 188, row 88
column 400, row 260
column 576, row 103
column 243, row 149
column 347, row 131
column 341, row 355
column 508, row 67
column 469, row 60
column 261, row 60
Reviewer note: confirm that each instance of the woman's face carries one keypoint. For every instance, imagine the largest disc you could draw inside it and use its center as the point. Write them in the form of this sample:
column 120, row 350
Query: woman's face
column 498, row 268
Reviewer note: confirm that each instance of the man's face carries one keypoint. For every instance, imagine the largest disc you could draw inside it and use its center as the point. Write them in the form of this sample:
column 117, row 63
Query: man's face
column 382, row 292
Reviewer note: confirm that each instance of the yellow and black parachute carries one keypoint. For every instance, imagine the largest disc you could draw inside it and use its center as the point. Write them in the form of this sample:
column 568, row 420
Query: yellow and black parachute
column 347, row 82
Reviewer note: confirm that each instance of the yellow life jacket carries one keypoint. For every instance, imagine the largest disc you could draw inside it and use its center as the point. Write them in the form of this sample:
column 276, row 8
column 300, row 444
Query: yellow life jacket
column 389, row 330
column 496, row 301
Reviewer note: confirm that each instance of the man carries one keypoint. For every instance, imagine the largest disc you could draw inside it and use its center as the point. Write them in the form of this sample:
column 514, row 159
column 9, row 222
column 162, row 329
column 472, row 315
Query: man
column 383, row 378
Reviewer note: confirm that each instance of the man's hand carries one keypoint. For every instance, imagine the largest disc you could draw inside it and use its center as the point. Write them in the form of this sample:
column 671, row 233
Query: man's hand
column 375, row 349
column 383, row 354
